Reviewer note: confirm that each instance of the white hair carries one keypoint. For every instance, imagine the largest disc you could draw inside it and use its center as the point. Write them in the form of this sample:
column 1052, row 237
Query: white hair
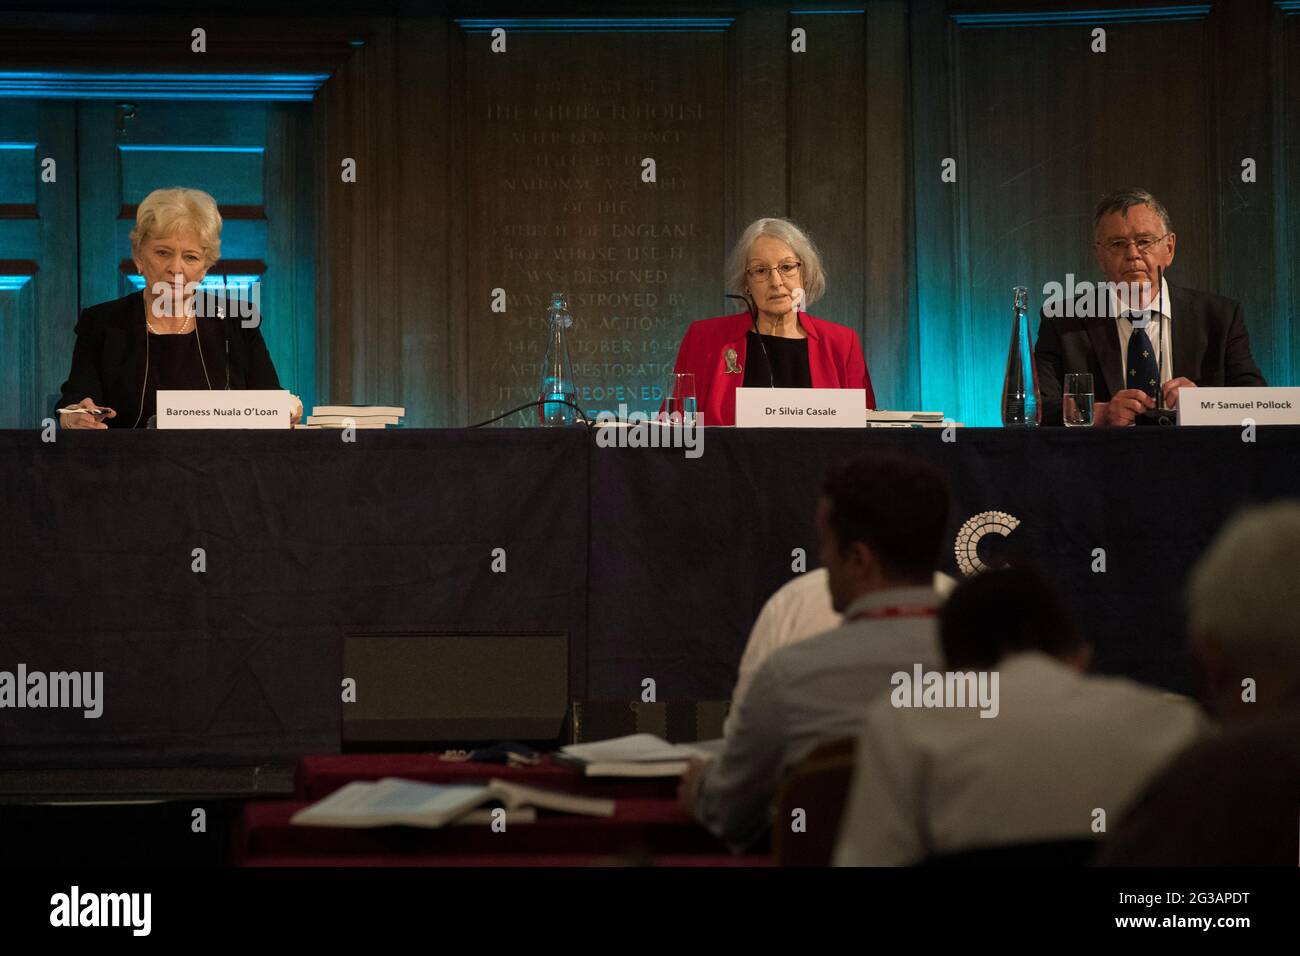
column 812, row 273
column 165, row 212
column 1241, row 593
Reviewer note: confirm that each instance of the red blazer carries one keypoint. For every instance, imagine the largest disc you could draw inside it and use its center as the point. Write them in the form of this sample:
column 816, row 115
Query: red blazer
column 834, row 360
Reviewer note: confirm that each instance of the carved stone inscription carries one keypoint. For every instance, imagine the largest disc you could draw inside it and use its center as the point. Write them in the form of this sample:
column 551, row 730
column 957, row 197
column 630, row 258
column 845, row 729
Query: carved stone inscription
column 595, row 165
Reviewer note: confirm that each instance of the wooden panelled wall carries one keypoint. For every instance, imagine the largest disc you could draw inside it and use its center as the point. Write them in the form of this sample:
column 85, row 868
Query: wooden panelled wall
column 1041, row 125
column 848, row 139
column 520, row 171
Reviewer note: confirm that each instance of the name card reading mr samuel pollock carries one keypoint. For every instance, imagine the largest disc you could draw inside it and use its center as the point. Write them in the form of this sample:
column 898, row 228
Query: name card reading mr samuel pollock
column 801, row 408
column 1232, row 406
column 232, row 408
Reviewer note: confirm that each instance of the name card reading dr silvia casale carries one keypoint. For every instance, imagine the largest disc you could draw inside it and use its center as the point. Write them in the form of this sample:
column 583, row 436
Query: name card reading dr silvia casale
column 801, row 408
column 230, row 408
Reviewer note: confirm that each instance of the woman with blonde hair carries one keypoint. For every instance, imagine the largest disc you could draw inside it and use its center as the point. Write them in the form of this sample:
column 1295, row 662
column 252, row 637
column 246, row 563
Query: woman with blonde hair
column 169, row 335
column 776, row 269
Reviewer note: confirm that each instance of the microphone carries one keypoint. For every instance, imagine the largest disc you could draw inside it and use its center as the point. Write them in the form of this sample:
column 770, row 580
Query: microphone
column 1160, row 301
column 1166, row 416
column 1160, row 415
column 752, row 308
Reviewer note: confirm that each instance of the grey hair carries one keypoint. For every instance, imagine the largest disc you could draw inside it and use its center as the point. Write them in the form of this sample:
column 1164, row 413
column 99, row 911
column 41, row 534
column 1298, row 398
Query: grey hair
column 1122, row 200
column 1240, row 592
column 814, row 275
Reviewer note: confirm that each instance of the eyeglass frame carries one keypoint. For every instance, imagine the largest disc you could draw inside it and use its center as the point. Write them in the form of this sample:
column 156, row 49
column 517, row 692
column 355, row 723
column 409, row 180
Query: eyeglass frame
column 1118, row 250
column 798, row 265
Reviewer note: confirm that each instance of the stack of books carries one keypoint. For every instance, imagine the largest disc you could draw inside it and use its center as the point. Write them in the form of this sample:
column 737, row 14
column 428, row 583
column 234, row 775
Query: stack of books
column 357, row 416
column 883, row 419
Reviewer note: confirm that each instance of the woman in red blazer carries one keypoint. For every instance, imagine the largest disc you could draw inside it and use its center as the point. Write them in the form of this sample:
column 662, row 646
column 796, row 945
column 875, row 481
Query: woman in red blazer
column 776, row 267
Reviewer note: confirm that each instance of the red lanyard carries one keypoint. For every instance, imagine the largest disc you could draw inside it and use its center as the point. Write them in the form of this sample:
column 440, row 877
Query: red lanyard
column 915, row 610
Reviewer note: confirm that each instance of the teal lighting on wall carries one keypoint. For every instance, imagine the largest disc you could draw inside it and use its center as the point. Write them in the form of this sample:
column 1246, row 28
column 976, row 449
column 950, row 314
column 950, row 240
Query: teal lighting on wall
column 170, row 148
column 211, row 283
column 598, row 24
column 241, row 87
column 1187, row 11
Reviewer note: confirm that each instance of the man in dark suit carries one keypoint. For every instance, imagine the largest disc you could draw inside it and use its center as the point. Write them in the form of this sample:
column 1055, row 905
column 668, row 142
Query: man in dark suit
column 1144, row 339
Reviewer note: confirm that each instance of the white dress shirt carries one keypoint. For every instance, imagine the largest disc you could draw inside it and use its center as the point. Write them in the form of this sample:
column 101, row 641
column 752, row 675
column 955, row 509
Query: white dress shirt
column 932, row 781
column 805, row 694
column 797, row 610
column 1159, row 330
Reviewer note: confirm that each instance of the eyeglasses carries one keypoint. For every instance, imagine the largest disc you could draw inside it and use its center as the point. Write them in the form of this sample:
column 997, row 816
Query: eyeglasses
column 1117, row 246
column 762, row 273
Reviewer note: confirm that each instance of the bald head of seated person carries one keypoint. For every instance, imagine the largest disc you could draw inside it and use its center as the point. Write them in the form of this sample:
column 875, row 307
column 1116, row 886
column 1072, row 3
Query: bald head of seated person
column 1141, row 337
column 881, row 524
column 1027, row 749
column 169, row 335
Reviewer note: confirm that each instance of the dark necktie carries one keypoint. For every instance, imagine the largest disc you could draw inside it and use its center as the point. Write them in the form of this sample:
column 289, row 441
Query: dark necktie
column 1141, row 370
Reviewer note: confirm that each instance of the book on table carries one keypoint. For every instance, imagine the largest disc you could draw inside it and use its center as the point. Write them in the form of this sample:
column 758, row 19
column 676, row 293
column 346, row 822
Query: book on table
column 393, row 801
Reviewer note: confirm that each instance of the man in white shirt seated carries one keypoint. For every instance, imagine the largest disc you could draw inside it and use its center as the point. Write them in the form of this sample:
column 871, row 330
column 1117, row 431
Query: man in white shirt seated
column 881, row 524
column 1060, row 756
column 797, row 610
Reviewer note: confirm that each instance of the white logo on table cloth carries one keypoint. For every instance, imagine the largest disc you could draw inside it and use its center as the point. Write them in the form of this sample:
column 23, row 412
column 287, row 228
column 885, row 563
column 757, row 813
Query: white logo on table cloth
column 966, row 548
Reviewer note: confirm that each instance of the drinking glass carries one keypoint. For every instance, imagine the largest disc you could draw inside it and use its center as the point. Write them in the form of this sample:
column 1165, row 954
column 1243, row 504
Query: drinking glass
column 1076, row 400
column 679, row 398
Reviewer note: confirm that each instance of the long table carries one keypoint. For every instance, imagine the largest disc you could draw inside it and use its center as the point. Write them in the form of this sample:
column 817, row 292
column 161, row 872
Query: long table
column 654, row 563
column 647, row 826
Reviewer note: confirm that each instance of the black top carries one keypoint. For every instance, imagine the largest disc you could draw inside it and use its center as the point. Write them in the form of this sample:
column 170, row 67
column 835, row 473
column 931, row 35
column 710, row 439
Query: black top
column 118, row 364
column 789, row 362
column 179, row 363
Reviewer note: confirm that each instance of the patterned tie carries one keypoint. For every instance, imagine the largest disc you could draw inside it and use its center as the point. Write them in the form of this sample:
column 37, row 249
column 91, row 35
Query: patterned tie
column 1141, row 371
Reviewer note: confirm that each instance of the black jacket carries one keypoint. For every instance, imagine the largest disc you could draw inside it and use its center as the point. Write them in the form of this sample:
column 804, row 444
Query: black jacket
column 1210, row 347
column 109, row 361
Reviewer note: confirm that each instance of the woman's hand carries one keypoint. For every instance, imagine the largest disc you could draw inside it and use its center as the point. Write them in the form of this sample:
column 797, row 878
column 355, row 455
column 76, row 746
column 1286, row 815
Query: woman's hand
column 295, row 410
column 85, row 419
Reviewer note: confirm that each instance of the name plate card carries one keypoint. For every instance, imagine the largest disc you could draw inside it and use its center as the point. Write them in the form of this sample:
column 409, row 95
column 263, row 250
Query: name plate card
column 1232, row 406
column 230, row 408
column 801, row 408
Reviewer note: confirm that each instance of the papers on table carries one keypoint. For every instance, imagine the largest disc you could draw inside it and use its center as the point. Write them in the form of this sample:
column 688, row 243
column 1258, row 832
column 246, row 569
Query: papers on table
column 637, row 755
column 396, row 802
